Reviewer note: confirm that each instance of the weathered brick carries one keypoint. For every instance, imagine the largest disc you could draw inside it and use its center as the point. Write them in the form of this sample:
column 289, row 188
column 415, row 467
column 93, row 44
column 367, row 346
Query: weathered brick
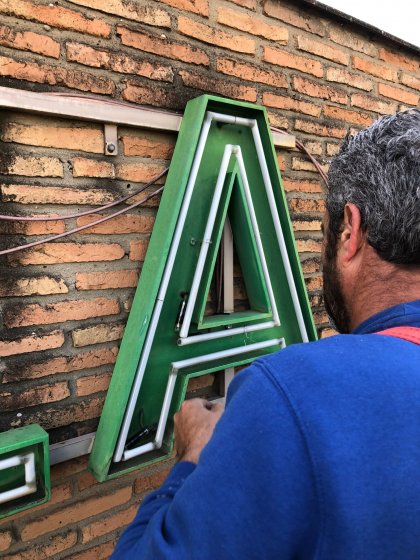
column 306, row 225
column 307, row 205
column 200, row 7
column 38, row 285
column 250, row 4
column 352, row 41
column 342, row 76
column 147, row 96
column 322, row 50
column 400, row 60
column 56, row 16
column 410, row 81
column 302, row 185
column 32, row 194
column 76, row 310
column 277, row 120
column 308, row 246
column 117, row 62
column 109, row 524
column 57, row 544
column 201, row 382
column 83, row 167
column 35, row 396
column 320, row 129
column 92, row 384
column 147, row 147
column 251, row 73
column 31, row 228
column 97, row 334
column 139, row 172
column 314, row 147
column 354, row 117
column 162, row 46
column 55, row 75
column 325, row 333
column 287, row 103
column 32, row 343
column 145, row 13
column 72, row 138
column 138, row 249
column 314, row 283
column 372, row 104
column 6, row 539
column 30, row 166
column 28, row 41
column 250, row 24
column 83, row 360
column 332, row 149
column 311, row 265
column 107, row 280
column 59, row 494
column 121, row 224
column 398, row 94
column 321, row 318
column 374, row 69
column 320, row 91
column 99, row 552
column 299, row 164
column 296, row 18
column 213, row 36
column 74, row 513
column 147, row 483
column 54, row 253
column 285, row 59
column 222, row 87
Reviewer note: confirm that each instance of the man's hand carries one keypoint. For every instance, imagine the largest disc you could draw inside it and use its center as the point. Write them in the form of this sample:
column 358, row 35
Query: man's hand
column 194, row 425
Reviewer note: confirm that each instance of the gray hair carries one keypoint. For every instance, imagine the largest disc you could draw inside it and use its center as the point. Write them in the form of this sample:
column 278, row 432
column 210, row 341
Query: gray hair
column 378, row 170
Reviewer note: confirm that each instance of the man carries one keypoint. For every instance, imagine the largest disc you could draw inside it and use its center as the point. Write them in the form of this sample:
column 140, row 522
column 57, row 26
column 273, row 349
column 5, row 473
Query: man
column 318, row 452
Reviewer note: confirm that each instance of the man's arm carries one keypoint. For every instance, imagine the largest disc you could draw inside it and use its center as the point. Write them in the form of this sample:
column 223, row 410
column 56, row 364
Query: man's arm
column 251, row 495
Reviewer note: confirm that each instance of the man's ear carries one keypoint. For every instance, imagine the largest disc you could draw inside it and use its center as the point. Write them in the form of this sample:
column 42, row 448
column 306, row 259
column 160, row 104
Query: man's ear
column 352, row 237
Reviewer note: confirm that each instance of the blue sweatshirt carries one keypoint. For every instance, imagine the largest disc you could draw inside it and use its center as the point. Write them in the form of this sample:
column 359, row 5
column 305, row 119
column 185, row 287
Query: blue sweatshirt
column 317, row 456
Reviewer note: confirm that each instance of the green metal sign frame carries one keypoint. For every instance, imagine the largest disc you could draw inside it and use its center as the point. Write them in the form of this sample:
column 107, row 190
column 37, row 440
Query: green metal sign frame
column 224, row 165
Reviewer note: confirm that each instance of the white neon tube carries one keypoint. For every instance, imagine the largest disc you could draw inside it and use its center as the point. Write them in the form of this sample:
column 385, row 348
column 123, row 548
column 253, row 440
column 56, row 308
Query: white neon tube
column 227, row 332
column 28, row 460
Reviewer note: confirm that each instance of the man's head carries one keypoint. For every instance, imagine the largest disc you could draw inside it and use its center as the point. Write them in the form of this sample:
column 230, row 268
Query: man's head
column 373, row 210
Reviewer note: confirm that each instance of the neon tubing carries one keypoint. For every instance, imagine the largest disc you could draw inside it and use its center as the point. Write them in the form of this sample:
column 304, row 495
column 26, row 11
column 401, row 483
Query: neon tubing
column 29, row 487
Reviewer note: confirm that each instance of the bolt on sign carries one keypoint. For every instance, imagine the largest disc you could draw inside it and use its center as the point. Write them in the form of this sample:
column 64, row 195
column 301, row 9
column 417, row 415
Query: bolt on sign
column 223, row 202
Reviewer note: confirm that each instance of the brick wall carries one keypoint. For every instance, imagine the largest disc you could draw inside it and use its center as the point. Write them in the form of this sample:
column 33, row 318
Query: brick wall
column 65, row 304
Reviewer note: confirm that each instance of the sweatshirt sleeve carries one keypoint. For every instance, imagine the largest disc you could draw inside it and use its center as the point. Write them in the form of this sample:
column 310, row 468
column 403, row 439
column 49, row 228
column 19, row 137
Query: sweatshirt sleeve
column 252, row 495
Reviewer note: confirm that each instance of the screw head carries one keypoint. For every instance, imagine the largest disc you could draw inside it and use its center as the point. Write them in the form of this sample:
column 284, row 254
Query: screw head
column 110, row 148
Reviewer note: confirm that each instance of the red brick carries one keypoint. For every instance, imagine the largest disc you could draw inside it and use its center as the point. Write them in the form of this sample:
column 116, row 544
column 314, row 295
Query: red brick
column 311, row 265
column 107, row 280
column 250, row 24
column 320, row 129
column 213, row 36
column 306, row 225
column 285, row 59
column 130, row 9
column 314, row 147
column 320, row 91
column 342, row 76
column 162, row 46
column 121, row 224
column 289, row 104
column 410, row 81
column 325, row 333
column 76, row 310
column 147, row 147
column 31, row 228
column 300, row 164
column 354, row 117
column 372, row 104
column 97, row 334
column 111, row 523
column 138, row 249
column 277, row 120
column 31, row 166
column 6, row 539
column 32, row 343
column 59, row 494
column 321, row 318
column 83, row 167
column 222, row 87
column 250, row 4
column 117, row 62
column 322, row 50
column 57, row 544
column 351, row 40
column 31, row 194
column 297, row 18
column 147, row 96
column 398, row 94
column 92, row 384
column 139, row 172
column 28, row 41
column 308, row 246
column 251, row 73
column 302, row 185
column 99, row 552
column 55, row 75
column 374, row 69
column 33, row 133
column 147, row 483
column 35, row 396
column 40, row 285
column 307, row 205
column 56, row 16
column 400, row 60
column 54, row 253
column 75, row 513
column 332, row 149
column 314, row 283
column 83, row 360
column 200, row 7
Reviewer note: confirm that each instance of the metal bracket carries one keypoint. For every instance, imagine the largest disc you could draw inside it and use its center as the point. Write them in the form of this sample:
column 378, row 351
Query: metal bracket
column 111, row 139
